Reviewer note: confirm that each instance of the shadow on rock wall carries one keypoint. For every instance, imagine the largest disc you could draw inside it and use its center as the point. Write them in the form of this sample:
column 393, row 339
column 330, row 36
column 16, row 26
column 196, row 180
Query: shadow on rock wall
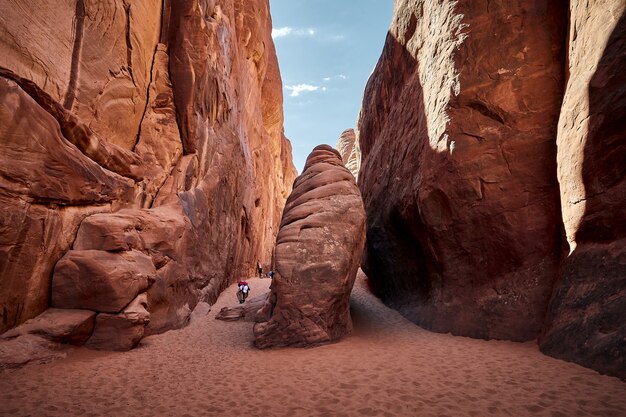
column 466, row 238
column 586, row 321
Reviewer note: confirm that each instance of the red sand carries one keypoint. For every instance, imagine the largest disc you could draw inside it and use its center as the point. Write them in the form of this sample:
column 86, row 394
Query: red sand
column 387, row 367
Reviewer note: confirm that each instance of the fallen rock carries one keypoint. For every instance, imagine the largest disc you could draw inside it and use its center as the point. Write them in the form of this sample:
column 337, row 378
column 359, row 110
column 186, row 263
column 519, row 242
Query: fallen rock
column 100, row 281
column 244, row 312
column 29, row 348
column 317, row 255
column 157, row 231
column 57, row 325
column 171, row 298
column 121, row 331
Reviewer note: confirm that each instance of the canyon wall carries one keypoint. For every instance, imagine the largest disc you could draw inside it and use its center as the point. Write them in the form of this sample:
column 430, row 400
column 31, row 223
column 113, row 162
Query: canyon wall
column 586, row 320
column 136, row 131
column 470, row 202
column 350, row 151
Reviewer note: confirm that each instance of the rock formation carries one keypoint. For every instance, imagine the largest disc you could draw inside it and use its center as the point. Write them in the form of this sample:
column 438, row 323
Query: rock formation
column 58, row 325
column 459, row 131
column 457, row 134
column 143, row 165
column 586, row 321
column 245, row 312
column 350, row 151
column 316, row 258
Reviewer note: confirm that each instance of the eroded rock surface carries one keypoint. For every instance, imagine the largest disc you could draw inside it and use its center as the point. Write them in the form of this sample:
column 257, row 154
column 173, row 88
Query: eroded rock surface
column 100, row 281
column 348, row 147
column 317, row 254
column 586, row 321
column 469, row 230
column 244, row 312
column 121, row 331
column 58, row 325
column 457, row 135
column 162, row 119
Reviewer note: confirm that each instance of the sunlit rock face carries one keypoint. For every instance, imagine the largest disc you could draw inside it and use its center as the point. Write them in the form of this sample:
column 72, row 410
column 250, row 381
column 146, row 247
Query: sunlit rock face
column 317, row 255
column 586, row 321
column 458, row 174
column 348, row 147
column 493, row 173
column 151, row 130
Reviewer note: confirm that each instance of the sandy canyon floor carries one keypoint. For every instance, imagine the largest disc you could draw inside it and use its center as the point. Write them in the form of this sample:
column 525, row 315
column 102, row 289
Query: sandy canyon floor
column 387, row 367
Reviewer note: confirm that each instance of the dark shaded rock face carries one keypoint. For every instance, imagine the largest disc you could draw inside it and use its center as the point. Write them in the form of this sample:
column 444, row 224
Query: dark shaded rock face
column 470, row 205
column 586, row 321
column 457, row 135
column 317, row 255
column 126, row 145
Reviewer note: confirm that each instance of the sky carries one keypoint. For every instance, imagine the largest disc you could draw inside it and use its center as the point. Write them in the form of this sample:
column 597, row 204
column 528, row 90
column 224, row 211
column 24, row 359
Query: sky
column 326, row 51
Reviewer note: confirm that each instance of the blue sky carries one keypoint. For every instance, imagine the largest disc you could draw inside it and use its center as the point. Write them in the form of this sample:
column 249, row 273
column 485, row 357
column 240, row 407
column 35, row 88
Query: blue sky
column 326, row 52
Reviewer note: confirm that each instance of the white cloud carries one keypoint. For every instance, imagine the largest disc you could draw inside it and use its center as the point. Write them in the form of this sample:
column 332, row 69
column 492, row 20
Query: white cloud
column 289, row 31
column 281, row 32
column 335, row 77
column 297, row 89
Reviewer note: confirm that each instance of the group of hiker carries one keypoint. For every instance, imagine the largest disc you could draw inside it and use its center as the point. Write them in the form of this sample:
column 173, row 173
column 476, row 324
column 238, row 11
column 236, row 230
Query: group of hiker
column 244, row 288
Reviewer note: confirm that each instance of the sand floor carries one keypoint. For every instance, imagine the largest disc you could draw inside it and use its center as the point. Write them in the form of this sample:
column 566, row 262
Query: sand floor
column 387, row 367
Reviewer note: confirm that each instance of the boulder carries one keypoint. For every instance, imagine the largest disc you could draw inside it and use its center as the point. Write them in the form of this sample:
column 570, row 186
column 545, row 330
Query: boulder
column 100, row 281
column 58, row 325
column 244, row 312
column 317, row 255
column 29, row 348
column 121, row 331
column 157, row 231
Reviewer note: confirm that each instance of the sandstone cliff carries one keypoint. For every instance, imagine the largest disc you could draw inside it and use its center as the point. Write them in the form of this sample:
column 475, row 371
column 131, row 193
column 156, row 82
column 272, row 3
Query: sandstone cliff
column 459, row 131
column 350, row 151
column 136, row 131
column 586, row 320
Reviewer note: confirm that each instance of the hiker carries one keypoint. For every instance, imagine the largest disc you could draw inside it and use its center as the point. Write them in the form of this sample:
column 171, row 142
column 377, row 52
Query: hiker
column 244, row 289
column 270, row 274
column 259, row 269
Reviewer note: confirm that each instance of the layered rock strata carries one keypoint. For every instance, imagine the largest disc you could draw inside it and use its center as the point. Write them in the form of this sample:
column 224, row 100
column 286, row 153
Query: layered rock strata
column 317, row 255
column 143, row 138
column 348, row 147
column 469, row 224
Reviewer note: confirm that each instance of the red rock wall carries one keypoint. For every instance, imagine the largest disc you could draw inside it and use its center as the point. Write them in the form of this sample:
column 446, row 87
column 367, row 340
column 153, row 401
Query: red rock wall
column 172, row 106
column 457, row 134
column 348, row 147
column 469, row 222
column 587, row 315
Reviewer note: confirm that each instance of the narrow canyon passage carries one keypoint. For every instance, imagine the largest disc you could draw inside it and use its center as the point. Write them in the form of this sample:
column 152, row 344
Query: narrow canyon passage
column 388, row 366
